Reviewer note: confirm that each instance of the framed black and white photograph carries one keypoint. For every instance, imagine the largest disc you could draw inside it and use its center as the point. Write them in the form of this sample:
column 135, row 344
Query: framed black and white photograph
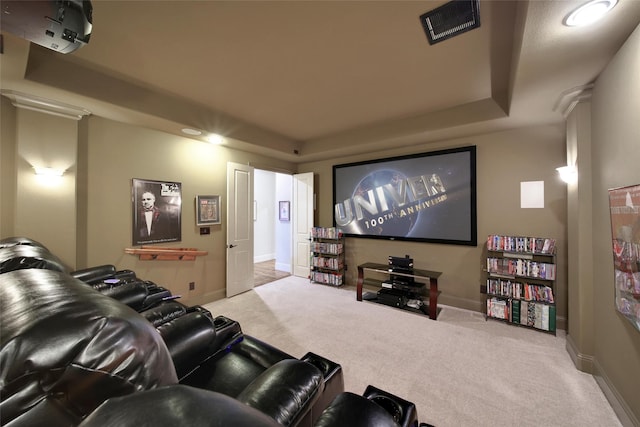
column 283, row 211
column 157, row 211
column 207, row 210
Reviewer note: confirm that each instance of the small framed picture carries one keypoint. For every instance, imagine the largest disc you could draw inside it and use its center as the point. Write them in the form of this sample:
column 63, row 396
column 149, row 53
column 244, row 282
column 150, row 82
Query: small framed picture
column 283, row 211
column 207, row 210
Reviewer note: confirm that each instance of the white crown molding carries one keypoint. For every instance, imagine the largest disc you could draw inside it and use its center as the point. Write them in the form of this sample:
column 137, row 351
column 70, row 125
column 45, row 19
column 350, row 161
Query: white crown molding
column 568, row 99
column 43, row 105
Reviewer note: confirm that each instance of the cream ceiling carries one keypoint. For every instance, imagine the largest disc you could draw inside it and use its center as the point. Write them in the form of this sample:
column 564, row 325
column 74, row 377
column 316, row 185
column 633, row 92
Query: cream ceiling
column 309, row 80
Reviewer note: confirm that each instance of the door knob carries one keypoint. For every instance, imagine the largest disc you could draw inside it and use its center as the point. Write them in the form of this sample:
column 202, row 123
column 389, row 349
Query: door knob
column 231, row 246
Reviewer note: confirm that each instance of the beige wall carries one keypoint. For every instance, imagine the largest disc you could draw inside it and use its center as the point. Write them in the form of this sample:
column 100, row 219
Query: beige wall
column 44, row 206
column 8, row 187
column 503, row 160
column 93, row 213
column 616, row 163
column 114, row 154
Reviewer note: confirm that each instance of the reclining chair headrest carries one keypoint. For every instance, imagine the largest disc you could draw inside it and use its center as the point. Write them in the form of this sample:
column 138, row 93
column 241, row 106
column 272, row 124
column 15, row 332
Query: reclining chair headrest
column 66, row 348
column 20, row 257
column 15, row 241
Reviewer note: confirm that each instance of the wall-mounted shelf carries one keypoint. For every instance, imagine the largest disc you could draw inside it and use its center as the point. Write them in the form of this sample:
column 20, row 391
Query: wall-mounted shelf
column 149, row 253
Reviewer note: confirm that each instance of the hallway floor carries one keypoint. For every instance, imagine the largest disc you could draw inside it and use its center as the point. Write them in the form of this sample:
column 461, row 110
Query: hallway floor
column 265, row 272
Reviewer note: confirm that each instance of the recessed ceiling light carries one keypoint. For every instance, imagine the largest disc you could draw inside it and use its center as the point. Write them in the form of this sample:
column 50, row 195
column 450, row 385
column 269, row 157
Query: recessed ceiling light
column 216, row 139
column 589, row 13
column 194, row 132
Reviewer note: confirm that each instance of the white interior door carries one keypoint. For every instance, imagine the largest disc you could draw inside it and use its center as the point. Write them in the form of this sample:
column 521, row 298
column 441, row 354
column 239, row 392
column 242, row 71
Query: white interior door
column 302, row 222
column 239, row 228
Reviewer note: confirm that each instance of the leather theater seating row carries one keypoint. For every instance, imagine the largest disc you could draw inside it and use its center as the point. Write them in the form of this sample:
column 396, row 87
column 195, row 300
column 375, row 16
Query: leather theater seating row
column 101, row 347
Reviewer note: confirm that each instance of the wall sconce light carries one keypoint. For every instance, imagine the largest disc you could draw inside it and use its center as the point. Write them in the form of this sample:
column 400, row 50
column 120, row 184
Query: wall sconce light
column 215, row 139
column 568, row 174
column 49, row 172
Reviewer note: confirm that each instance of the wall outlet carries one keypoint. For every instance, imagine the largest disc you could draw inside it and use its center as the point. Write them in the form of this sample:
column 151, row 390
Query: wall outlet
column 192, row 285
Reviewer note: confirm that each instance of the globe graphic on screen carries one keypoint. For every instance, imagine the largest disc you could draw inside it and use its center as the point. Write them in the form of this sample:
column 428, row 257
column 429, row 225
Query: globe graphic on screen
column 381, row 224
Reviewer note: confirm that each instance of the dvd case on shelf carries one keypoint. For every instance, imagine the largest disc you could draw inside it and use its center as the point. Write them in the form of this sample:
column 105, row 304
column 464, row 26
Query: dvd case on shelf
column 327, row 256
column 520, row 283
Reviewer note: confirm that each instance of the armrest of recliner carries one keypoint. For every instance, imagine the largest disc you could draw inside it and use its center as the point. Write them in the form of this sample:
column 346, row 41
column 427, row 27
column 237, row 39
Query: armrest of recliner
column 259, row 351
column 176, row 405
column 94, row 274
column 138, row 294
column 132, row 294
column 190, row 339
column 100, row 273
column 164, row 313
column 286, row 391
column 156, row 295
column 350, row 410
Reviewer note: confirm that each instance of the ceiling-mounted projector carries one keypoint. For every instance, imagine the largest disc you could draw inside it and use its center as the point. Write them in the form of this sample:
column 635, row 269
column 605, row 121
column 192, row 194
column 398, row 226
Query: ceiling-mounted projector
column 60, row 25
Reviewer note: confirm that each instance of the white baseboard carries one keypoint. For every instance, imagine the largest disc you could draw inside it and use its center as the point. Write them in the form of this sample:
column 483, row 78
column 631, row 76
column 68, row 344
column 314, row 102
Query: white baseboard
column 282, row 266
column 263, row 258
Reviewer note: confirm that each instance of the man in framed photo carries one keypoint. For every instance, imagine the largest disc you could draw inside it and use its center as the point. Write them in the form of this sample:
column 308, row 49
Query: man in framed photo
column 152, row 223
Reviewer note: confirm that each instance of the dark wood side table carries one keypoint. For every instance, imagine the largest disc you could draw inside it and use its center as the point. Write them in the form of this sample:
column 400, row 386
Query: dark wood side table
column 431, row 276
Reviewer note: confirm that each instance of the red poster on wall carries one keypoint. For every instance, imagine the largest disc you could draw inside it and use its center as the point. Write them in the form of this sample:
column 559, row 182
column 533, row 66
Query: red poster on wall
column 624, row 205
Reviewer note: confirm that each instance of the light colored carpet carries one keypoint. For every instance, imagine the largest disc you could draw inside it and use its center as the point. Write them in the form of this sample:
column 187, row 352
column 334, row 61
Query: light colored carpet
column 460, row 370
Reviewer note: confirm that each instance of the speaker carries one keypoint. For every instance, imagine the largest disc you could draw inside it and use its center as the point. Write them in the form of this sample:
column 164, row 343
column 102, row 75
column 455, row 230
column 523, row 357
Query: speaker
column 60, row 25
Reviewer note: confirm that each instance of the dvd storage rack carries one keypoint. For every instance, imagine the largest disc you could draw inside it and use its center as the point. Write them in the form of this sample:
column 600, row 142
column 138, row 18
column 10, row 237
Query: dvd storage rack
column 520, row 282
column 327, row 256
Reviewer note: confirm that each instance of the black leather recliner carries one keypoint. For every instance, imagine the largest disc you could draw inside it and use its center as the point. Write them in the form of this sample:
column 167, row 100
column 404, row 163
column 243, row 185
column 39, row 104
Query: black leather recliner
column 66, row 348
column 227, row 361
column 191, row 407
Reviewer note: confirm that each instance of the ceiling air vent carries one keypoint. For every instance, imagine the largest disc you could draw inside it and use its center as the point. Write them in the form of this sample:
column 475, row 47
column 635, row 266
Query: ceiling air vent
column 450, row 19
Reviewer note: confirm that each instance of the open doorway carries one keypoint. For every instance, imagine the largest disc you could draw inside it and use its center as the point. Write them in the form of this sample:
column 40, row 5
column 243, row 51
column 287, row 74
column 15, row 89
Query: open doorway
column 272, row 228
